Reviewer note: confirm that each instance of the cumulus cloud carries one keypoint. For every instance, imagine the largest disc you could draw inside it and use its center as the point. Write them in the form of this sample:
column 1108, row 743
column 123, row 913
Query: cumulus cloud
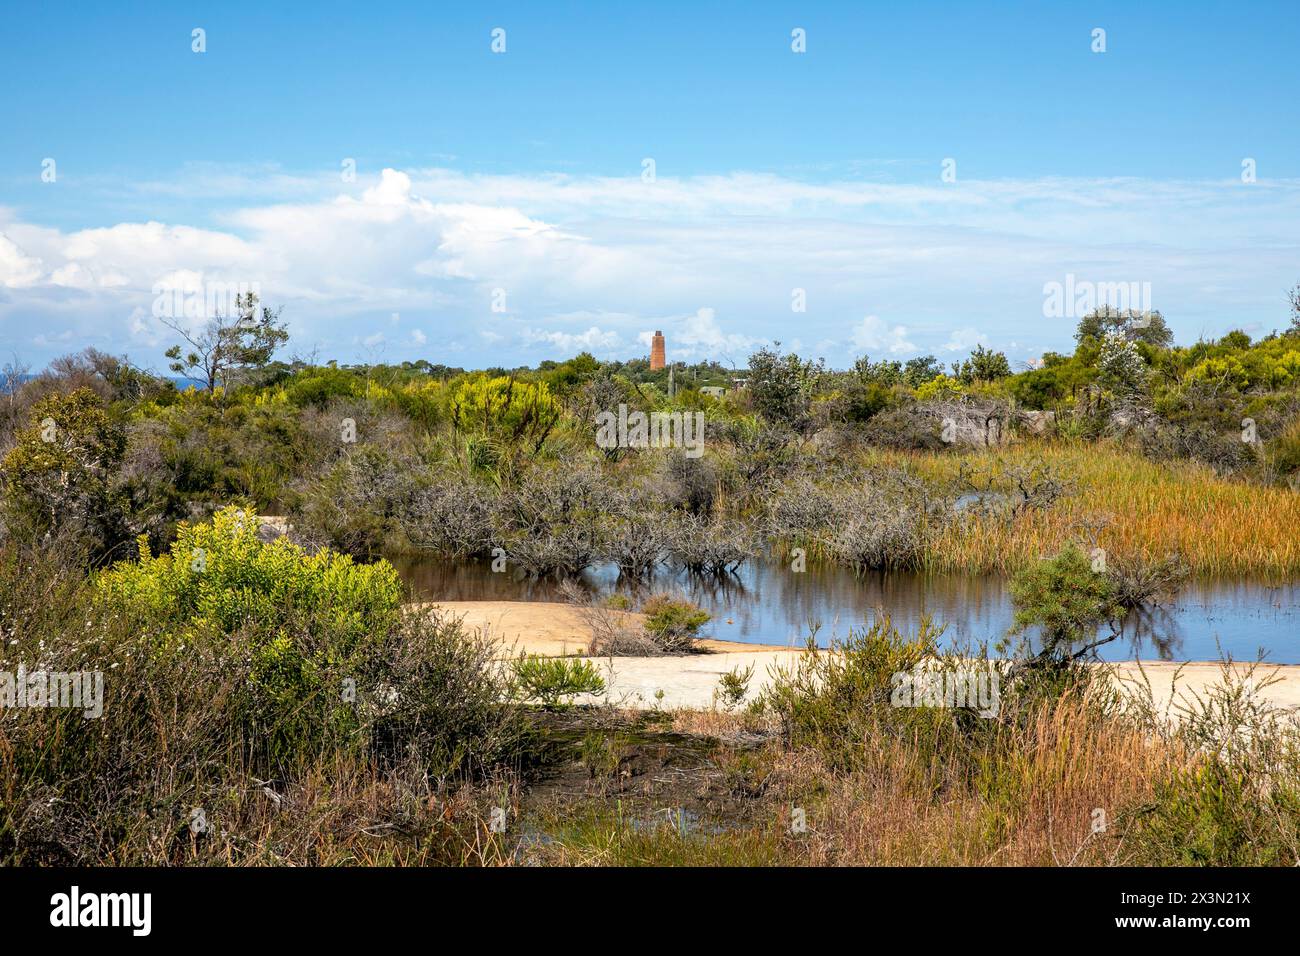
column 963, row 340
column 599, row 262
column 700, row 337
column 873, row 335
column 17, row 269
column 593, row 340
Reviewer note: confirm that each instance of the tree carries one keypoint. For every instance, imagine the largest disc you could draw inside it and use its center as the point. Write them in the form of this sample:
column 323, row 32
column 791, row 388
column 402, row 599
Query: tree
column 884, row 372
column 920, row 370
column 57, row 477
column 1039, row 387
column 1120, row 366
column 984, row 365
column 565, row 377
column 1068, row 600
column 781, row 386
column 1236, row 339
column 1147, row 327
column 1293, row 297
column 229, row 347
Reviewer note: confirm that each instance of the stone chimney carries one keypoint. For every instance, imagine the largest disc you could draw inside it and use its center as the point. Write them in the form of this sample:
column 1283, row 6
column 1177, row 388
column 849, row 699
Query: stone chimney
column 657, row 351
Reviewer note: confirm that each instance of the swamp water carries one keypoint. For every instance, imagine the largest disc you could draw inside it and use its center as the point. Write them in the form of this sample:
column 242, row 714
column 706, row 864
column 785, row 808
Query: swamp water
column 765, row 602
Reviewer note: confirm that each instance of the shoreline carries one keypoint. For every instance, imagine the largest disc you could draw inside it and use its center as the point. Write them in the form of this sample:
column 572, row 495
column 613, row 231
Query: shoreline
column 688, row 681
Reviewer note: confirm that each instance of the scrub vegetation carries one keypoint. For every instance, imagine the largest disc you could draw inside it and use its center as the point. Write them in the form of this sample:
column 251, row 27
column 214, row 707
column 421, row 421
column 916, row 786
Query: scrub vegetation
column 273, row 699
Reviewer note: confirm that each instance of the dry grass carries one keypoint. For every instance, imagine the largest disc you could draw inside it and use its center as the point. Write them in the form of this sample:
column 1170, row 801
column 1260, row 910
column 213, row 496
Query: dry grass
column 718, row 723
column 1058, row 788
column 1035, row 804
column 338, row 812
column 1218, row 525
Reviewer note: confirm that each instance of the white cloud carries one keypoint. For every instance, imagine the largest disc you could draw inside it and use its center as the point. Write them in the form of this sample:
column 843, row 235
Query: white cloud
column 872, row 335
column 599, row 262
column 593, row 340
column 963, row 340
column 60, row 339
column 700, row 337
column 143, row 328
column 17, row 269
column 394, row 189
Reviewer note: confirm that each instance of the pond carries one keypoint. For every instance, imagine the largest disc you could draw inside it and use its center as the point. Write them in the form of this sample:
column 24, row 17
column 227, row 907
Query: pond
column 765, row 602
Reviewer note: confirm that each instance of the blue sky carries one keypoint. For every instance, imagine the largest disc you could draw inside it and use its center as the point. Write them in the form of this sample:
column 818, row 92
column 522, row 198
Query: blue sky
column 499, row 213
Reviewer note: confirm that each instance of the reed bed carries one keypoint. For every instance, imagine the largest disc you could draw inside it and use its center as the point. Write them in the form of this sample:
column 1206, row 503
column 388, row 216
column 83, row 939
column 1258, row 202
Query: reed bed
column 1060, row 788
column 1056, row 791
column 1218, row 525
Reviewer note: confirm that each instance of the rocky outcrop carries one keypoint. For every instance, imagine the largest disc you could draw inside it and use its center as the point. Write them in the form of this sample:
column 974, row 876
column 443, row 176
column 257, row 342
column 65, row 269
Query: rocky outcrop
column 271, row 527
column 1037, row 423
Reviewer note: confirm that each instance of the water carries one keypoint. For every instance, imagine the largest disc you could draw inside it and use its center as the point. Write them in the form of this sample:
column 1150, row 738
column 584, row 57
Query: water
column 766, row 603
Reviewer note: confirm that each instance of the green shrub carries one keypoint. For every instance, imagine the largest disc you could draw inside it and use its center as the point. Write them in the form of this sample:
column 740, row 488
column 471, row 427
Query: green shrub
column 1285, row 451
column 218, row 572
column 910, row 426
column 306, row 623
column 554, row 681
column 504, row 408
column 600, row 752
column 1065, row 598
column 354, row 506
column 1236, row 800
column 422, row 402
column 984, row 365
column 194, row 457
column 733, row 685
column 780, row 387
column 319, row 386
column 1218, row 814
column 439, row 697
column 1040, row 387
column 838, row 701
column 57, row 479
column 266, row 665
column 99, row 791
column 673, row 622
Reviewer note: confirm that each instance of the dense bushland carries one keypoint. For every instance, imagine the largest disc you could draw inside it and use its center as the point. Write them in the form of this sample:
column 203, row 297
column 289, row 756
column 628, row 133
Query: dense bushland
column 274, row 702
column 886, row 465
column 237, row 677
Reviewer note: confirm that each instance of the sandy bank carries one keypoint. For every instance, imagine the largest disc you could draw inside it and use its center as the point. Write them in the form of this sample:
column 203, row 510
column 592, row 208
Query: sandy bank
column 689, row 681
column 549, row 628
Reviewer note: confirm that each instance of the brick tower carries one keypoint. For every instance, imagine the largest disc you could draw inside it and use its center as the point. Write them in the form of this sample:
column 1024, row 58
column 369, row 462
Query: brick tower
column 657, row 351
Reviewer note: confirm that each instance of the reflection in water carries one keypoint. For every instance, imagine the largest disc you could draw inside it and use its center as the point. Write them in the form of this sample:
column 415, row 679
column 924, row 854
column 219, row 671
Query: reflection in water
column 765, row 602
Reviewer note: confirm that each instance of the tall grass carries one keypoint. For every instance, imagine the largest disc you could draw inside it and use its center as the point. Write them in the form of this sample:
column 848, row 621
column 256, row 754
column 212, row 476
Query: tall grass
column 1051, row 790
column 1220, row 526
column 1070, row 772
